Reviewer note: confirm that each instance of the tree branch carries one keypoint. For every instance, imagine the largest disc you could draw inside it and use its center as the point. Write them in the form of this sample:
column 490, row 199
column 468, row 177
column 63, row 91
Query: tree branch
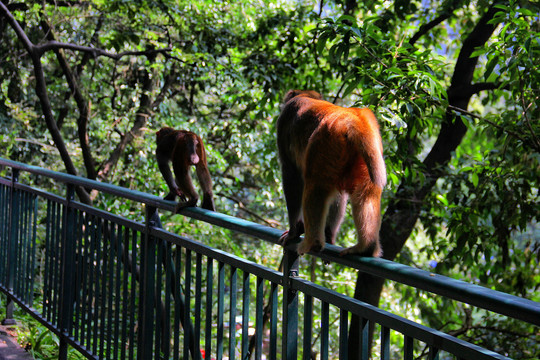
column 140, row 121
column 424, row 29
column 41, row 92
column 402, row 213
column 96, row 52
column 82, row 105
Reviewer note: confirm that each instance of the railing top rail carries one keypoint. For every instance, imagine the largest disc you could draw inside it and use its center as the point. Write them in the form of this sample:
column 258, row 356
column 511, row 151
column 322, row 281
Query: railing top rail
column 492, row 300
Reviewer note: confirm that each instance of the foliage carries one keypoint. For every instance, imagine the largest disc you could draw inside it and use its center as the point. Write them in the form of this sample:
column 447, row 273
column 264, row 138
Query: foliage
column 221, row 70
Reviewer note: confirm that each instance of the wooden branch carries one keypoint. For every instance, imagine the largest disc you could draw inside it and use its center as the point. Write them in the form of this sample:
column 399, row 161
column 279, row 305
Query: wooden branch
column 82, row 105
column 140, row 121
column 41, row 92
column 96, row 52
column 424, row 29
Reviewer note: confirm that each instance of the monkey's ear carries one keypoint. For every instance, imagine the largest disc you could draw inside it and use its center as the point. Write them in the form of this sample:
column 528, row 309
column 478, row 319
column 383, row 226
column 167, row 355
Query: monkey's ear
column 308, row 93
column 290, row 94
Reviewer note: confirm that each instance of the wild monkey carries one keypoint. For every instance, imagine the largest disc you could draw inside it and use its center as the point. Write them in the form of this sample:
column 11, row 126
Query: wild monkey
column 184, row 148
column 329, row 153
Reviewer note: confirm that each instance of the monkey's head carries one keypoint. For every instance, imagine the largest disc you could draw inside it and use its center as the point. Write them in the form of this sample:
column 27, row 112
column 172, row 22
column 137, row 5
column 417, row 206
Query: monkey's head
column 190, row 142
column 164, row 131
column 306, row 93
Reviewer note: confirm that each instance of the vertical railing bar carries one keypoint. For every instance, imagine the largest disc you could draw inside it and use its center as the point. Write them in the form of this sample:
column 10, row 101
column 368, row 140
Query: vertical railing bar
column 96, row 242
column 325, row 311
column 308, row 326
column 385, row 343
column 290, row 306
column 34, row 250
column 364, row 342
column 90, row 296
column 177, row 303
column 135, row 271
column 17, row 251
column 27, row 246
column 12, row 245
column 232, row 313
column 23, row 229
column 85, row 283
column 124, row 243
column 343, row 334
column 198, row 304
column 57, row 263
column 187, row 302
column 408, row 348
column 3, row 234
column 246, row 295
column 102, row 305
column 259, row 318
column 168, row 289
column 47, row 267
column 78, row 275
column 209, row 290
column 220, row 309
column 273, row 320
column 148, row 301
column 18, row 248
column 433, row 353
column 117, row 298
column 113, row 228
column 67, row 268
column 158, row 287
column 47, row 258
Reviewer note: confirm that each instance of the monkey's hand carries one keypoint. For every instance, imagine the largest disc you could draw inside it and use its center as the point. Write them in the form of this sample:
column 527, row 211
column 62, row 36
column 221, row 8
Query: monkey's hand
column 189, row 203
column 286, row 236
column 293, row 233
column 181, row 195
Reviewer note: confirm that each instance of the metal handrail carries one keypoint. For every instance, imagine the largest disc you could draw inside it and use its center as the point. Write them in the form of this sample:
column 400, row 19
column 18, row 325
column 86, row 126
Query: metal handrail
column 488, row 299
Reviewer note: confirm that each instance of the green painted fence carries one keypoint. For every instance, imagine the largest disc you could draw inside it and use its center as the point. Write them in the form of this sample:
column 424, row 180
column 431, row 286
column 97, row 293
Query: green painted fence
column 113, row 288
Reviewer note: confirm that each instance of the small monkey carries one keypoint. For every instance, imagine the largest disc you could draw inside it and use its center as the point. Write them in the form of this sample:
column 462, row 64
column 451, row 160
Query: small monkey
column 329, row 153
column 184, row 148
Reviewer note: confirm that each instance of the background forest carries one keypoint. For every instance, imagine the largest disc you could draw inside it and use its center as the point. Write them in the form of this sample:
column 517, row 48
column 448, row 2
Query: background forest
column 455, row 84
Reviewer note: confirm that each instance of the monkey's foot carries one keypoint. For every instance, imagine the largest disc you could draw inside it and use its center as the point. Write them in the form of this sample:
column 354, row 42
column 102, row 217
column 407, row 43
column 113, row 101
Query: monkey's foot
column 305, row 247
column 362, row 250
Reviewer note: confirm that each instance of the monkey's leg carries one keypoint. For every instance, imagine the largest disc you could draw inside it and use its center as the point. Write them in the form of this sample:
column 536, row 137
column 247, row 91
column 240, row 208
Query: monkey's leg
column 336, row 213
column 293, row 187
column 366, row 204
column 206, row 186
column 315, row 205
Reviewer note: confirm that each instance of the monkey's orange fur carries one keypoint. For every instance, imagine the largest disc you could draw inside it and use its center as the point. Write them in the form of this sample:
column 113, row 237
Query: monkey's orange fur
column 328, row 153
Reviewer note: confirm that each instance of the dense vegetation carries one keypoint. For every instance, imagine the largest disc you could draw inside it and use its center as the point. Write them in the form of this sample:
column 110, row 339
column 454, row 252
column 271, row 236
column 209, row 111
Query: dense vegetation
column 84, row 85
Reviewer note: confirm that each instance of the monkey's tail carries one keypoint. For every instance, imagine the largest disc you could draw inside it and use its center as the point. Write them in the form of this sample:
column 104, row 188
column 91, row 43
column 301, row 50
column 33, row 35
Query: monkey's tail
column 365, row 134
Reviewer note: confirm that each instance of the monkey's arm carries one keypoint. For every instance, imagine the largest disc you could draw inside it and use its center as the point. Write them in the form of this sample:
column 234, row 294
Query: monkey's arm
column 163, row 165
column 184, row 186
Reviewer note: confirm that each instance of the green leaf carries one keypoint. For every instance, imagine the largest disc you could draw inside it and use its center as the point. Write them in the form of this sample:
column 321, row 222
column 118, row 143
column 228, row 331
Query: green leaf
column 490, row 66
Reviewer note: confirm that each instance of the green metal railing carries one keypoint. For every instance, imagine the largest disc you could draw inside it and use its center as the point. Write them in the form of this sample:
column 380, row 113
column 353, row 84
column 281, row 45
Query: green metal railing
column 113, row 288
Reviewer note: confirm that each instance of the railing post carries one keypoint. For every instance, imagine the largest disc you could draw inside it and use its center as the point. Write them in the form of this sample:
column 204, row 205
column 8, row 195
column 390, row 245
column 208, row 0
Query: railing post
column 67, row 263
column 147, row 290
column 290, row 306
column 12, row 245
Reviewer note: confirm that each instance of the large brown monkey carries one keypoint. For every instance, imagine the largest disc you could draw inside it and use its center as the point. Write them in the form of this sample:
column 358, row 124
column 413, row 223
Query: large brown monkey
column 327, row 154
column 184, row 148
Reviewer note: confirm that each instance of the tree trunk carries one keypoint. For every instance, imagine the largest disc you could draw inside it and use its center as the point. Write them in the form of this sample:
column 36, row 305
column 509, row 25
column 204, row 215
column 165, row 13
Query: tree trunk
column 403, row 212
